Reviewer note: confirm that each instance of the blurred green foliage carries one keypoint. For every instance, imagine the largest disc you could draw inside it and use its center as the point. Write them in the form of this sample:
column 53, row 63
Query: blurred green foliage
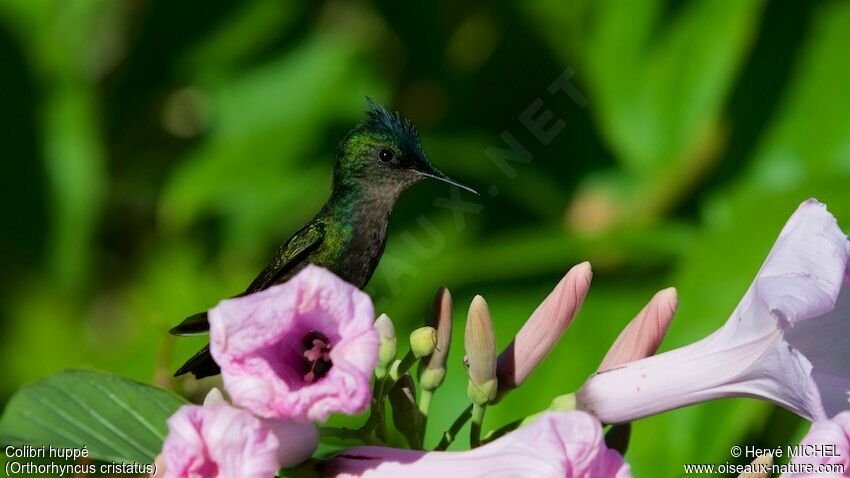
column 156, row 152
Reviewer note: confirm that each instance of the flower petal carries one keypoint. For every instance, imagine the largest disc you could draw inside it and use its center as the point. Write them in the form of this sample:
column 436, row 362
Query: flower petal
column 805, row 269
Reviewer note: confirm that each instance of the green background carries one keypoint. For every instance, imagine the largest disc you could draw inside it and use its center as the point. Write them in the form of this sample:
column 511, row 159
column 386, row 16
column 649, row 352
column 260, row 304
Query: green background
column 155, row 153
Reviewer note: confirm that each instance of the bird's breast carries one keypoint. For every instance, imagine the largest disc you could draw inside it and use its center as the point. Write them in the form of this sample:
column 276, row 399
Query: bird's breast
column 353, row 251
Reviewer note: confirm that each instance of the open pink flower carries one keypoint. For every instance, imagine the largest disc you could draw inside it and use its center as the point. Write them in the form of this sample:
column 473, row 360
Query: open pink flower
column 557, row 444
column 824, row 451
column 299, row 350
column 218, row 441
column 786, row 342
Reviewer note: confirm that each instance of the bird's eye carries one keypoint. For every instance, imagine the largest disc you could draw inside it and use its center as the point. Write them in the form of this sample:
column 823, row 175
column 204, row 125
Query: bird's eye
column 385, row 155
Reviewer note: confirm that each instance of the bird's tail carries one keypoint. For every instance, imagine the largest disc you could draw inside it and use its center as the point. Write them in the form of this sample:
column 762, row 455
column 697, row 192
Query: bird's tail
column 195, row 324
column 201, row 365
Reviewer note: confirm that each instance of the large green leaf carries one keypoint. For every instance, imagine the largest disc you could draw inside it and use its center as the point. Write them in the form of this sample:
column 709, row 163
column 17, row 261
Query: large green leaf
column 115, row 418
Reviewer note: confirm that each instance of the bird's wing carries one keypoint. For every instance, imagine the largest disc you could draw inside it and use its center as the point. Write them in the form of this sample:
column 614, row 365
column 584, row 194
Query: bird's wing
column 289, row 255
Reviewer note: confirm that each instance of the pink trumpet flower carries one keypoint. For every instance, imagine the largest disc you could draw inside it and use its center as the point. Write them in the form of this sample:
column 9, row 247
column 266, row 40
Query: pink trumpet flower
column 218, row 441
column 544, row 328
column 556, row 445
column 642, row 337
column 787, row 341
column 824, row 451
column 300, row 350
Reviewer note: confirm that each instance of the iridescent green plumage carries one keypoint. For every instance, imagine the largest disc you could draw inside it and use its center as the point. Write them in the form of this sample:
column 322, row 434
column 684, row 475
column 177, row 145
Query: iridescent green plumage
column 376, row 162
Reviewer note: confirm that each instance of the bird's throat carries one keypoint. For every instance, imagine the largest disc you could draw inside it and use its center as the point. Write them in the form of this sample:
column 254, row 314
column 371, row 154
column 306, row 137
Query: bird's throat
column 366, row 204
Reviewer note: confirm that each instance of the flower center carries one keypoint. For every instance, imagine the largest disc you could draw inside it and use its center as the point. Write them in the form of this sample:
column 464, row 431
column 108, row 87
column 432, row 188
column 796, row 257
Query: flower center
column 316, row 355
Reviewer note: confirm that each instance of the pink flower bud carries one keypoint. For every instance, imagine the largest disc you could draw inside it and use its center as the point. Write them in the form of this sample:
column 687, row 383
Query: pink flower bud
column 480, row 343
column 434, row 366
column 544, row 328
column 642, row 337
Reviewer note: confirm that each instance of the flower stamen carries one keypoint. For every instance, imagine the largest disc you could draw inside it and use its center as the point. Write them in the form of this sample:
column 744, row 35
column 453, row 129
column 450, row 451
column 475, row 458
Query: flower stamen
column 317, row 356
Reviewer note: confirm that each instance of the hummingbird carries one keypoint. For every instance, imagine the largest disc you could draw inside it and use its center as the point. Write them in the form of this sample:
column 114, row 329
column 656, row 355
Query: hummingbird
column 376, row 161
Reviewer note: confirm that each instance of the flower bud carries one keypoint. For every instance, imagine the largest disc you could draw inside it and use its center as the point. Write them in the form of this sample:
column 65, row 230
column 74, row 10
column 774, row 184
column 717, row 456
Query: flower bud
column 423, row 341
column 432, row 378
column 158, row 467
column 642, row 337
column 406, row 415
column 433, row 369
column 480, row 344
column 214, row 397
column 387, row 349
column 763, row 462
column 544, row 328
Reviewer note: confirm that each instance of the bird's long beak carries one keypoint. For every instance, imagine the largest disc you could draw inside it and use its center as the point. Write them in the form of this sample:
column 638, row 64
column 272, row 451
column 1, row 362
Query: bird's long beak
column 435, row 173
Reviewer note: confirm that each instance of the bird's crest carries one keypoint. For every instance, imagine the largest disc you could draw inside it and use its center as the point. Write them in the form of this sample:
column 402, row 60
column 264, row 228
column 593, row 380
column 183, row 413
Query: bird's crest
column 400, row 128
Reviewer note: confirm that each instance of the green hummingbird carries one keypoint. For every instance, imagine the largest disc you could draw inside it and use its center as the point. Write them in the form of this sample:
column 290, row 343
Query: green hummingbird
column 376, row 161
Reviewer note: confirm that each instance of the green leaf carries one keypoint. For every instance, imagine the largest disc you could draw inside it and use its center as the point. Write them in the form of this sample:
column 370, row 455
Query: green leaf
column 115, row 418
column 657, row 83
column 810, row 138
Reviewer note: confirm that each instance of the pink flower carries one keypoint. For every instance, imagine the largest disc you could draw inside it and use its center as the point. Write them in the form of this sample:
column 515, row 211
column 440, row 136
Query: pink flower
column 544, row 328
column 300, row 350
column 786, row 342
column 556, row 445
column 218, row 441
column 824, row 451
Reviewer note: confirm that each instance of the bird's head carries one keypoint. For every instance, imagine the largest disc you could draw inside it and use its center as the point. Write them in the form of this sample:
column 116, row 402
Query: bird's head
column 383, row 152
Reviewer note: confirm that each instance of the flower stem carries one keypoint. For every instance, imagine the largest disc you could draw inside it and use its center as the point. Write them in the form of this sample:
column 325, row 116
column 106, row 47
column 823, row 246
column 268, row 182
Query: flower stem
column 424, row 408
column 507, row 428
column 377, row 396
column 450, row 434
column 425, row 402
column 377, row 420
column 477, row 422
column 399, row 368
